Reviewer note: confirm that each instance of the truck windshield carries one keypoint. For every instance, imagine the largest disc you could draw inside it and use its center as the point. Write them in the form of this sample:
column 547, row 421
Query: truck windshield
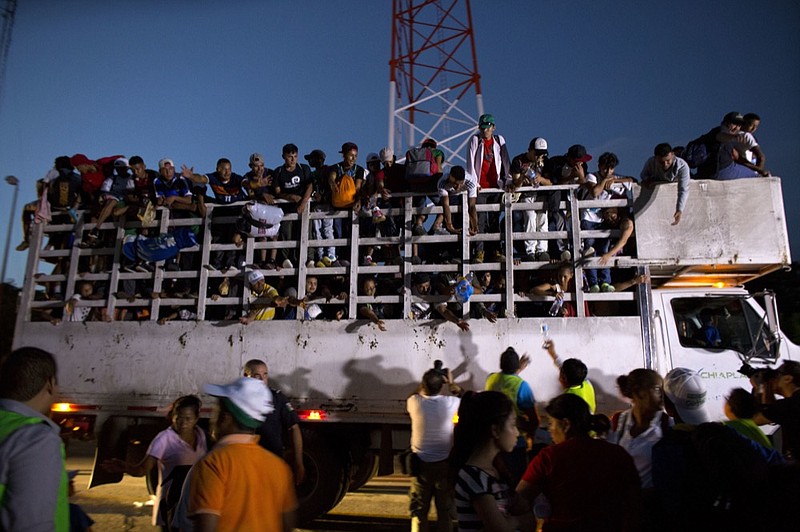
column 723, row 323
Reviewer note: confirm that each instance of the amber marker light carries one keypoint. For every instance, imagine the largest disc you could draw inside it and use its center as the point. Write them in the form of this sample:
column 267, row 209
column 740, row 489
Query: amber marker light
column 62, row 407
column 312, row 415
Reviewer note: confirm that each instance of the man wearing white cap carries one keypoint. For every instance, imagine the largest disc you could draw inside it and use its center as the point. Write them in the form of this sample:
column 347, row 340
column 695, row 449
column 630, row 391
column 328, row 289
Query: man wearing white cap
column 229, row 488
column 526, row 171
column 260, row 290
column 706, row 476
column 113, row 191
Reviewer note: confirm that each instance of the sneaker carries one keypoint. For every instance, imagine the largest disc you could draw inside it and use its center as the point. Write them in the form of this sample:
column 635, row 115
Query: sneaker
column 588, row 252
column 94, row 234
column 594, row 289
column 566, row 255
column 210, row 267
column 343, row 263
column 328, row 260
column 321, row 263
column 368, row 261
column 415, row 260
column 605, row 287
column 418, row 230
column 530, row 257
column 499, row 257
column 310, row 264
column 23, row 246
column 144, row 268
column 287, row 264
column 543, row 256
column 478, row 258
column 377, row 215
column 441, row 231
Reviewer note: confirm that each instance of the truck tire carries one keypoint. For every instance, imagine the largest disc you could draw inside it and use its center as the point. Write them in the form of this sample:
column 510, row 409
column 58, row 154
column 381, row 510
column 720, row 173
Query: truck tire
column 363, row 469
column 327, row 477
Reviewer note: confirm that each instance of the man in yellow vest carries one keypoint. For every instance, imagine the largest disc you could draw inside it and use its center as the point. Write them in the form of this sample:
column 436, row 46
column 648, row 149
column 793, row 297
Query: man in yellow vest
column 33, row 482
column 508, row 382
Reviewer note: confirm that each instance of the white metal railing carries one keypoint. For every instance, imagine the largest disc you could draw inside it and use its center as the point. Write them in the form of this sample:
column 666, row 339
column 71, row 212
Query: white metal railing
column 73, row 257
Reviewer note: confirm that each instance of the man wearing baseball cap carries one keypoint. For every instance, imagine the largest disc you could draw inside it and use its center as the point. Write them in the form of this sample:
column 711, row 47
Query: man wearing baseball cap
column 240, row 485
column 260, row 290
column 526, row 171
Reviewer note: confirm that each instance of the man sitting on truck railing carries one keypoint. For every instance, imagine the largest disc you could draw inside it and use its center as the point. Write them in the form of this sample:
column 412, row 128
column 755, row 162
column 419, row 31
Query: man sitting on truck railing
column 114, row 190
column 526, row 171
column 665, row 167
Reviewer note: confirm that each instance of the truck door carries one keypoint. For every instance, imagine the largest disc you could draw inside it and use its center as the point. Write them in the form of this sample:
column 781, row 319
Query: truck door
column 714, row 335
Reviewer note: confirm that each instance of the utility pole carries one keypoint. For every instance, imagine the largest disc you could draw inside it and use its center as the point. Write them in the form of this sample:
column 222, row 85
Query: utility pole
column 8, row 13
column 434, row 85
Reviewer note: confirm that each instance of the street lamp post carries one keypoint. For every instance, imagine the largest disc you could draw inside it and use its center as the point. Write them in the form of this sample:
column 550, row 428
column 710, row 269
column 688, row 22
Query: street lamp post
column 14, row 182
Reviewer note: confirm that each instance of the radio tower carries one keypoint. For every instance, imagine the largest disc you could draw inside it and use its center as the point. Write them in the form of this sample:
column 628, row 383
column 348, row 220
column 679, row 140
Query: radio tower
column 7, row 22
column 434, row 87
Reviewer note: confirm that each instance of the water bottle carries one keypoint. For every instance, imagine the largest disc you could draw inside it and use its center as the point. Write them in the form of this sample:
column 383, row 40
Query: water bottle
column 555, row 308
column 545, row 335
column 464, row 288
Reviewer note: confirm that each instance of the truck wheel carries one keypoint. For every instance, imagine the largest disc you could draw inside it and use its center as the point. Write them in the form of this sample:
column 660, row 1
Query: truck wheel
column 364, row 468
column 327, row 477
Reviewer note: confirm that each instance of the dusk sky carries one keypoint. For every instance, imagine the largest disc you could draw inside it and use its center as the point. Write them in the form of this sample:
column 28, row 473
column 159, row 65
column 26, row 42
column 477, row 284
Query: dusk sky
column 199, row 80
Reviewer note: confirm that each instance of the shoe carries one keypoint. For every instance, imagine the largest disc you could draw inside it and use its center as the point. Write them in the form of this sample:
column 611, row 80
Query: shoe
column 93, row 235
column 588, row 252
column 130, row 269
column 441, row 231
column 566, row 255
column 310, row 263
column 287, row 264
column 499, row 257
column 594, row 289
column 143, row 268
column 368, row 261
column 478, row 258
column 418, row 230
column 543, row 256
column 321, row 264
column 415, row 260
column 328, row 260
column 210, row 267
column 605, row 287
column 23, row 246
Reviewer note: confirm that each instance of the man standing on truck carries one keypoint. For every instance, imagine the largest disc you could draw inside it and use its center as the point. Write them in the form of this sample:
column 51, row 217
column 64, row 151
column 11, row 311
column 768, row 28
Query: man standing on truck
column 507, row 381
column 33, row 482
column 665, row 167
column 239, row 485
column 283, row 419
column 431, row 440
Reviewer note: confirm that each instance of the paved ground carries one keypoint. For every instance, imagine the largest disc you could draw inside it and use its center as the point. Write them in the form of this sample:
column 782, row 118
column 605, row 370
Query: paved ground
column 380, row 506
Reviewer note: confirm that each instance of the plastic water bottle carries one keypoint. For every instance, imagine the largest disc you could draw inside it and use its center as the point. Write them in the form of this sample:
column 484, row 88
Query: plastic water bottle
column 555, row 308
column 464, row 288
column 545, row 335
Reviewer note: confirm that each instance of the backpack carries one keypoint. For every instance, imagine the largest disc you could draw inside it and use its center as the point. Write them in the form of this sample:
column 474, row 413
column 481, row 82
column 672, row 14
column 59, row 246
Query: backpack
column 420, row 165
column 701, row 154
column 346, row 195
column 260, row 220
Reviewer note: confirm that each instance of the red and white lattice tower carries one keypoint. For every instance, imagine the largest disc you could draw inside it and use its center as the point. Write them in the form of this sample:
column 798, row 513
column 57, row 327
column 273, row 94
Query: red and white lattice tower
column 434, row 87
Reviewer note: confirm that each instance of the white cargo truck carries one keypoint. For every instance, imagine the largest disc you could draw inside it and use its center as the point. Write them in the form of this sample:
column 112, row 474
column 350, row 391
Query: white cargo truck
column 349, row 380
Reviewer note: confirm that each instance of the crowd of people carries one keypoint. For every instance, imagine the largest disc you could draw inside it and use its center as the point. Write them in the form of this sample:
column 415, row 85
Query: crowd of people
column 662, row 464
column 117, row 188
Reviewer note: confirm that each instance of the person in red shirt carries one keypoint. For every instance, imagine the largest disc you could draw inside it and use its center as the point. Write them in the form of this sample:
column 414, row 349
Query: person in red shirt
column 488, row 166
column 589, row 484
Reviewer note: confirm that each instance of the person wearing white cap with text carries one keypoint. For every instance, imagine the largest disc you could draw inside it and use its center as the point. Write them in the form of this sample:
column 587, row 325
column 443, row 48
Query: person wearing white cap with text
column 526, row 171
column 239, row 485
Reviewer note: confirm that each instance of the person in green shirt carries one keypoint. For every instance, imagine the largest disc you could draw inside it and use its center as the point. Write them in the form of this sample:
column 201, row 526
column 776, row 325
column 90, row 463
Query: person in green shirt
column 572, row 376
column 740, row 408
